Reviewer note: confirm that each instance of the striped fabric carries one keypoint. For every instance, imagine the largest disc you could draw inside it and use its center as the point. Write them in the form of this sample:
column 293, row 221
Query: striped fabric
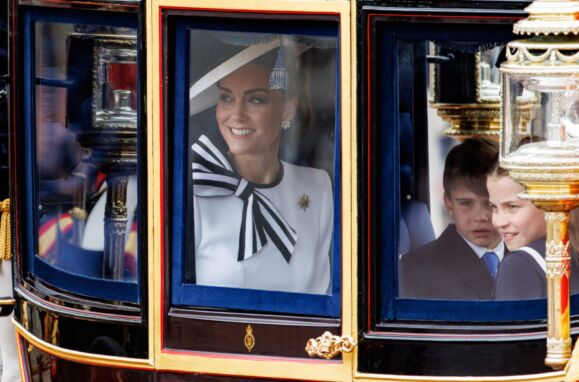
column 49, row 232
column 213, row 175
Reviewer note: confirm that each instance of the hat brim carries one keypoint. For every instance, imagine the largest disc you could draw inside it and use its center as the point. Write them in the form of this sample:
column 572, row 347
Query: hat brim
column 203, row 93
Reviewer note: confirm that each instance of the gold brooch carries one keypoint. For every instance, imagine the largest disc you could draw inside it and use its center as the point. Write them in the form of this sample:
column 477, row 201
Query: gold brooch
column 304, row 202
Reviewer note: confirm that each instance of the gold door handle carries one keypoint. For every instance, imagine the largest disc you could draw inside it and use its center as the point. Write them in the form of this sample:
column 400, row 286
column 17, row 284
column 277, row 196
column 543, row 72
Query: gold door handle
column 328, row 345
column 7, row 302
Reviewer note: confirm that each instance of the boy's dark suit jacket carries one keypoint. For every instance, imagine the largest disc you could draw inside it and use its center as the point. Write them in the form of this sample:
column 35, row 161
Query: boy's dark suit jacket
column 446, row 269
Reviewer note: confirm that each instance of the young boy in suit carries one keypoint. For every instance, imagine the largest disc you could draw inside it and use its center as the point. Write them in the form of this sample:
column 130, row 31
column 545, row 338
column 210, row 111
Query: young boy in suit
column 462, row 263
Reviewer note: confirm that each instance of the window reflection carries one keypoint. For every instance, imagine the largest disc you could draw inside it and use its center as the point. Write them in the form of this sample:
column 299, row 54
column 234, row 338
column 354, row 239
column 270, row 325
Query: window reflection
column 86, row 149
column 453, row 245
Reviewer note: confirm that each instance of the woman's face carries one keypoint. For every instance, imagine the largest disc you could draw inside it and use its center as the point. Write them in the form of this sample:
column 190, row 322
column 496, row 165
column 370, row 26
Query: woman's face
column 249, row 113
column 518, row 221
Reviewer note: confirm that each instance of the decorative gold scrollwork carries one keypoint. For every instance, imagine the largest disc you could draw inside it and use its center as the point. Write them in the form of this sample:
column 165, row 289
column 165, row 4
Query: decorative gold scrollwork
column 557, row 249
column 557, row 217
column 249, row 339
column 328, row 345
column 558, row 270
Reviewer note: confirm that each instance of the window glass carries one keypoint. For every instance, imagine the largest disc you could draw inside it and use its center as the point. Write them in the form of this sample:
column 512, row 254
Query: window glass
column 85, row 151
column 435, row 106
column 446, row 220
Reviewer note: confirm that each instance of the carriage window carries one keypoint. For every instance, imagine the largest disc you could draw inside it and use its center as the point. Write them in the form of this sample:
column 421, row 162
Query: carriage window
column 458, row 255
column 84, row 134
column 255, row 150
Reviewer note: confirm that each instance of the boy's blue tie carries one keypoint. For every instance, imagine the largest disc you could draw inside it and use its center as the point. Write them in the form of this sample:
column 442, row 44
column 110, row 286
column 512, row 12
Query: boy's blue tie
column 492, row 262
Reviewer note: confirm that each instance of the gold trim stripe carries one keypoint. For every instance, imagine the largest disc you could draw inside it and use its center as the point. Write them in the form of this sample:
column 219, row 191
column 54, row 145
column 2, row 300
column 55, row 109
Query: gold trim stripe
column 545, row 377
column 82, row 357
column 21, row 360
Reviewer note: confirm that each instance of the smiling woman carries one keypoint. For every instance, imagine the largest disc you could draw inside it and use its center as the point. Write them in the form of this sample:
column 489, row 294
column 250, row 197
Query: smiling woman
column 250, row 116
column 262, row 214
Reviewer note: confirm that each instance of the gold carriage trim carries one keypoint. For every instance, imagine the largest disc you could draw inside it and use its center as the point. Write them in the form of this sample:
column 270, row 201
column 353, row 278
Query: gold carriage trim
column 82, row 357
column 249, row 339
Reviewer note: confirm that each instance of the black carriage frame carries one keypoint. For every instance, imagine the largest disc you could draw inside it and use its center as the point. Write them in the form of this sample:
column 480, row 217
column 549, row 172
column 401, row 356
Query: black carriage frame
column 126, row 323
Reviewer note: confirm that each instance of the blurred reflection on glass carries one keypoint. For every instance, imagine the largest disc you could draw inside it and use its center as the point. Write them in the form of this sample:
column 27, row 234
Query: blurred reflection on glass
column 86, row 149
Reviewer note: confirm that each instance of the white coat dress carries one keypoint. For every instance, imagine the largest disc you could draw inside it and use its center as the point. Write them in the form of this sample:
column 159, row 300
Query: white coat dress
column 303, row 196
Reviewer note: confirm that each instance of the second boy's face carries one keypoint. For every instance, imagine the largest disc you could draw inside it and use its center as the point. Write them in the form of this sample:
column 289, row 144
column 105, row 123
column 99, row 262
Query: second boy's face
column 519, row 221
column 472, row 216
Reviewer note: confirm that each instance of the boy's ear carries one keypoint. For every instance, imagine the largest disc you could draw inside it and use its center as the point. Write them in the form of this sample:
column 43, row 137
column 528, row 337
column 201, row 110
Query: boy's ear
column 448, row 205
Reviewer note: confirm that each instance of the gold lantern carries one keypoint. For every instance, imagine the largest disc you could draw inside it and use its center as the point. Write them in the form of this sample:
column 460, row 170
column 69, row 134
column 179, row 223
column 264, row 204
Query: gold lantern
column 540, row 142
column 464, row 94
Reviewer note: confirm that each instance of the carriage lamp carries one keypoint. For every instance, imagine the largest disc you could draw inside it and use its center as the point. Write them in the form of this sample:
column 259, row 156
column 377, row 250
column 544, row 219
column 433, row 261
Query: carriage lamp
column 110, row 135
column 463, row 93
column 540, row 142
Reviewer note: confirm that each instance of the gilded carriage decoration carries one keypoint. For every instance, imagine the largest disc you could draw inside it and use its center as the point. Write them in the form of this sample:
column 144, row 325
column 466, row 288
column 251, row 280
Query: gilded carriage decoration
column 249, row 339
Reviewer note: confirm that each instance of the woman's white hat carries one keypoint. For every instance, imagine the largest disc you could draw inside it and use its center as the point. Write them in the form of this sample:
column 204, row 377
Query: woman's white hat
column 203, row 93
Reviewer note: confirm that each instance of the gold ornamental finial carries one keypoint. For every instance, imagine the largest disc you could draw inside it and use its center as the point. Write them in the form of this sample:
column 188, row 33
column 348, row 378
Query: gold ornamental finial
column 550, row 17
column 5, row 240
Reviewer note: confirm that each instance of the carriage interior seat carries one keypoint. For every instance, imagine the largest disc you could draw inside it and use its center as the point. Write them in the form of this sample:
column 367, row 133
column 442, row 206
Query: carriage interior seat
column 415, row 225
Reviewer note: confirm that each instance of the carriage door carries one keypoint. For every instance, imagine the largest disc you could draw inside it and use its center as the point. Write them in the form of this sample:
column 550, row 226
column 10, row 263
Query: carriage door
column 431, row 76
column 250, row 186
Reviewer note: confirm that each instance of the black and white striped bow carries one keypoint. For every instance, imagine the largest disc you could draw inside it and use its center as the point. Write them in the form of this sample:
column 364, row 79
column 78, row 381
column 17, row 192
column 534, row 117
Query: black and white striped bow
column 213, row 175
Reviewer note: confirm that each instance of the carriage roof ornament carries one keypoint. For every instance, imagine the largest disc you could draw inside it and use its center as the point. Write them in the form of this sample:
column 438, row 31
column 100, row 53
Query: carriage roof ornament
column 462, row 88
column 540, row 142
column 550, row 17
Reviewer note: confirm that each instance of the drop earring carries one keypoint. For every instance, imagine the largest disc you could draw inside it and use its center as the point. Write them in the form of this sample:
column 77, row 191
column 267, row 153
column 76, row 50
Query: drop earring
column 285, row 124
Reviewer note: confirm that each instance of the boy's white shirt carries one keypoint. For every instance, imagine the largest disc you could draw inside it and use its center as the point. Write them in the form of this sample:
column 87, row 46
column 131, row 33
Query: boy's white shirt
column 499, row 250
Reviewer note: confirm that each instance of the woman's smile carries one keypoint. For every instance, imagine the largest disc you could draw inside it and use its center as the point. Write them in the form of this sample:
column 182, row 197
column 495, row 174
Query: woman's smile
column 241, row 132
column 508, row 236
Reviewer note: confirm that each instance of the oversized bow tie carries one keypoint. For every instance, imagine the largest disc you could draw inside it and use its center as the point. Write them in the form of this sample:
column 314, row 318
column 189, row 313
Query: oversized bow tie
column 213, row 175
